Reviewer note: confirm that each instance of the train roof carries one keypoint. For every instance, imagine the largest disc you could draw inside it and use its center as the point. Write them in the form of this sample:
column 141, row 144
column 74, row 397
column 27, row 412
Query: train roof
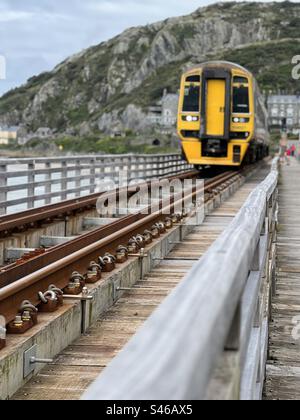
column 221, row 64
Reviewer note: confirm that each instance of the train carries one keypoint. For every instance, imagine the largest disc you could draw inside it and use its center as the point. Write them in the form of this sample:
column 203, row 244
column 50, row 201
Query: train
column 222, row 117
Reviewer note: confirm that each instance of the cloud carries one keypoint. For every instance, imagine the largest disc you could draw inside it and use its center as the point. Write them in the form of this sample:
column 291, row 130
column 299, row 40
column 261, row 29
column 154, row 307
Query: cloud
column 11, row 16
column 37, row 35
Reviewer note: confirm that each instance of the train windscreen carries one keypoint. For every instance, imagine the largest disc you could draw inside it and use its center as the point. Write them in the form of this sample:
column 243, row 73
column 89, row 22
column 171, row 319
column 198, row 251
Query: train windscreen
column 191, row 102
column 241, row 100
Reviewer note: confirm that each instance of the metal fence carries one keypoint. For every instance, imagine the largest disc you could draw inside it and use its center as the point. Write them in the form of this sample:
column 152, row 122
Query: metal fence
column 28, row 183
column 209, row 338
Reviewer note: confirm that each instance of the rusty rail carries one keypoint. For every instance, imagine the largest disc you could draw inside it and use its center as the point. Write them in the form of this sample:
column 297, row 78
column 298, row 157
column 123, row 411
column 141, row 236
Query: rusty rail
column 30, row 218
column 57, row 265
column 16, row 271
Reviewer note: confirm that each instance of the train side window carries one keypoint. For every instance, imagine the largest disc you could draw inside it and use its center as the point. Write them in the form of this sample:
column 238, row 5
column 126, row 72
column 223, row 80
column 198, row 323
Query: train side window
column 241, row 100
column 191, row 102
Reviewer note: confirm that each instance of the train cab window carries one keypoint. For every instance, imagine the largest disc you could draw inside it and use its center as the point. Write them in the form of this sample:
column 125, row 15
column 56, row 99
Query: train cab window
column 191, row 101
column 193, row 79
column 241, row 100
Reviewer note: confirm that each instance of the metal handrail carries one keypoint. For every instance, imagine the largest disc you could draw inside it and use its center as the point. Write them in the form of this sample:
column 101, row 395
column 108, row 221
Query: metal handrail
column 45, row 179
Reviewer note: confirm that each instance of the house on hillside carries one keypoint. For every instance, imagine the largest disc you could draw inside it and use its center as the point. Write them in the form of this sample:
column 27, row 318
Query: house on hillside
column 169, row 105
column 164, row 112
column 284, row 110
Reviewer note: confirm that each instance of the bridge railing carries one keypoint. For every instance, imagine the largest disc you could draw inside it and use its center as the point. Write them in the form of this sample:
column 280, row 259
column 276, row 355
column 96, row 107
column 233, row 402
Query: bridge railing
column 208, row 339
column 27, row 183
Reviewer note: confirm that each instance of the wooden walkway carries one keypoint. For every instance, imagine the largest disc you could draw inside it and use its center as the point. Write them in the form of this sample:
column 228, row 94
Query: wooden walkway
column 78, row 365
column 283, row 369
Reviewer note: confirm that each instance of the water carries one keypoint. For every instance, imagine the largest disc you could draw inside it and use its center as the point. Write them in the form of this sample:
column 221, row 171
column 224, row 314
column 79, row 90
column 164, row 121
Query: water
column 22, row 182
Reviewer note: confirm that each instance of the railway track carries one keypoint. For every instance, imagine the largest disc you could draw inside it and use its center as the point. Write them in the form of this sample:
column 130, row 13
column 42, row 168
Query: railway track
column 62, row 211
column 70, row 268
column 29, row 219
column 24, row 280
column 81, row 362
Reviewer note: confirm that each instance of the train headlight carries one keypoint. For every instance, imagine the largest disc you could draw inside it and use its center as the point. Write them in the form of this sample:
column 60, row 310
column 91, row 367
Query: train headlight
column 190, row 118
column 240, row 120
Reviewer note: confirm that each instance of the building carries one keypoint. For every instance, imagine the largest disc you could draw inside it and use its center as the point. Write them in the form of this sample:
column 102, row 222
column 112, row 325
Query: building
column 164, row 112
column 284, row 109
column 169, row 104
column 155, row 114
column 7, row 134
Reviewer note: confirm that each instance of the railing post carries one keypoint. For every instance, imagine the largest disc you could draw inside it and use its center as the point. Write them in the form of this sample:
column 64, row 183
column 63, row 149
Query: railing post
column 160, row 166
column 102, row 171
column 255, row 266
column 64, row 182
column 130, row 168
column 140, row 167
column 78, row 180
column 170, row 162
column 116, row 169
column 3, row 184
column 92, row 176
column 149, row 168
column 124, row 171
column 234, row 338
column 48, row 182
column 31, row 189
column 156, row 168
column 125, row 166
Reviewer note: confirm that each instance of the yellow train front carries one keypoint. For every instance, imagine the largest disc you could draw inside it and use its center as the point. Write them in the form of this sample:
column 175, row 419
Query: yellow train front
column 222, row 119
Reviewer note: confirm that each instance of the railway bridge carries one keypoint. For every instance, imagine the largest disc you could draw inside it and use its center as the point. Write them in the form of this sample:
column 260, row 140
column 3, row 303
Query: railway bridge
column 187, row 290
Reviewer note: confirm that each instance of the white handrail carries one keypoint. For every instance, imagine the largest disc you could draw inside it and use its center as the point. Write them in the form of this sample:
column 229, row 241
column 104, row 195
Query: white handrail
column 27, row 182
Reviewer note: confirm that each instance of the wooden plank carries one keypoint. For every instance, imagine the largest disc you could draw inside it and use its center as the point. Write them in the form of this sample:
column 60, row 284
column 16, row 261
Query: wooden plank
column 283, row 368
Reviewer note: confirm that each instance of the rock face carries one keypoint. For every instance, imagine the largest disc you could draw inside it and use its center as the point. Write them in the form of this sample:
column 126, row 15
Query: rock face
column 112, row 84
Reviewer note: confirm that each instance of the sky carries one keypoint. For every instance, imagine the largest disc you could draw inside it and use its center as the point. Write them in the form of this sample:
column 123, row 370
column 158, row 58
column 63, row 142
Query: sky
column 35, row 35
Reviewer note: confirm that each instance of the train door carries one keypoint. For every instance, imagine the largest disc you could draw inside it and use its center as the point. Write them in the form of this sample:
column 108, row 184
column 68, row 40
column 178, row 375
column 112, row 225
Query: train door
column 215, row 107
column 216, row 104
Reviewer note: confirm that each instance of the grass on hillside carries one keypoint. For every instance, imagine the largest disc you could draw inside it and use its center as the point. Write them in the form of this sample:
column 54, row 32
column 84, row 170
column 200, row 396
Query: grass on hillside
column 80, row 145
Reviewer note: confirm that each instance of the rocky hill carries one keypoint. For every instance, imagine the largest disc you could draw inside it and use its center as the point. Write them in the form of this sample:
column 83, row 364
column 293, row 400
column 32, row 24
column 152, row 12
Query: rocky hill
column 116, row 81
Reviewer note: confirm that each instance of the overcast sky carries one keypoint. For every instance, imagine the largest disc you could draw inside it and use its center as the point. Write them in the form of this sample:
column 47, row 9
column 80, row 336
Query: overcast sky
column 35, row 35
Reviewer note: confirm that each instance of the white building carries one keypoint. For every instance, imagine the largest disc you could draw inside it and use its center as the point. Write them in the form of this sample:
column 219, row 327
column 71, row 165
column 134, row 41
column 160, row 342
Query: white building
column 164, row 113
column 284, row 108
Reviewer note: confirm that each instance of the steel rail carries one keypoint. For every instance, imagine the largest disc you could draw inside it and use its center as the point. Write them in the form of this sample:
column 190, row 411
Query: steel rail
column 9, row 223
column 14, row 272
column 59, row 271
